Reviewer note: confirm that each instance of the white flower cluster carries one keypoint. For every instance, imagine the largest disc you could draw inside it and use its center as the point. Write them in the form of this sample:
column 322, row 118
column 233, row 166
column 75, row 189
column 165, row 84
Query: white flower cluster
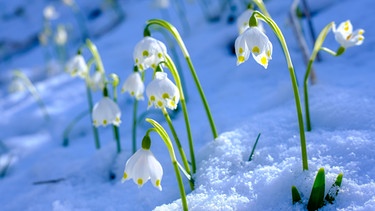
column 161, row 91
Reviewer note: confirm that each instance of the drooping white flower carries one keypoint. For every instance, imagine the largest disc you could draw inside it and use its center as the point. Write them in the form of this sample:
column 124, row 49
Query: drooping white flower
column 149, row 52
column 161, row 92
column 96, row 81
column 50, row 13
column 105, row 112
column 143, row 166
column 134, row 85
column 243, row 21
column 345, row 36
column 253, row 41
column 77, row 66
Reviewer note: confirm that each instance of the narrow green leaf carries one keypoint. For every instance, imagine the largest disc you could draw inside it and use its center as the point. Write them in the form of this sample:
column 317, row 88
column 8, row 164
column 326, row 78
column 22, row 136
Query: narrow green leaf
column 254, row 146
column 334, row 190
column 296, row 197
column 317, row 192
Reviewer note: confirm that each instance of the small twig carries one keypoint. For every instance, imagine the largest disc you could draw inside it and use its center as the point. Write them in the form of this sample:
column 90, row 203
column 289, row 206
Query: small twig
column 255, row 145
column 48, row 181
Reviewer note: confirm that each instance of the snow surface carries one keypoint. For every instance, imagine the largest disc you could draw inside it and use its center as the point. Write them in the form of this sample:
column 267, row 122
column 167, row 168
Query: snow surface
column 245, row 100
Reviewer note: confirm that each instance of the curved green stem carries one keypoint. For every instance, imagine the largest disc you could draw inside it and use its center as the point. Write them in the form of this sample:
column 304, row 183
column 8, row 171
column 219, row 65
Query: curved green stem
column 70, row 127
column 176, row 77
column 284, row 46
column 317, row 47
column 306, row 95
column 116, row 132
column 164, row 136
column 94, row 51
column 183, row 48
column 94, row 129
column 260, row 4
column 178, row 144
column 33, row 91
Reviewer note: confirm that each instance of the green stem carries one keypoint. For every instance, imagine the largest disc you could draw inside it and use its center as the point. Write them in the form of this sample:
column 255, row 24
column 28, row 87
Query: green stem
column 94, row 51
column 317, row 47
column 164, row 136
column 176, row 77
column 175, row 57
column 260, row 4
column 70, row 127
column 183, row 48
column 284, row 46
column 116, row 132
column 203, row 97
column 306, row 95
column 134, row 126
column 33, row 91
column 94, row 129
column 178, row 144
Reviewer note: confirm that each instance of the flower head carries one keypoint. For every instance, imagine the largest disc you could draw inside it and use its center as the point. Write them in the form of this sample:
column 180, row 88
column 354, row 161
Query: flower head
column 96, row 81
column 77, row 66
column 253, row 41
column 143, row 166
column 345, row 36
column 50, row 13
column 149, row 52
column 243, row 21
column 61, row 35
column 105, row 112
column 134, row 85
column 161, row 92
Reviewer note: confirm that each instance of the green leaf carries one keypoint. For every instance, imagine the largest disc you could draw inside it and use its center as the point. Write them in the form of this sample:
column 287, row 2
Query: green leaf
column 334, row 190
column 253, row 150
column 316, row 200
column 296, row 197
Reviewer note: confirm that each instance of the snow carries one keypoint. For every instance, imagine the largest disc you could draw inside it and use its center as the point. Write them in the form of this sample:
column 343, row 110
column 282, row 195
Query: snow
column 245, row 100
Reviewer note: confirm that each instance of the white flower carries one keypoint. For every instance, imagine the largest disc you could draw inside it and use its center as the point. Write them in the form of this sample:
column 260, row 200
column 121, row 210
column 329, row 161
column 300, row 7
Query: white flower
column 345, row 36
column 243, row 21
column 161, row 92
column 149, row 52
column 105, row 112
column 61, row 35
column 253, row 41
column 96, row 82
column 77, row 66
column 50, row 13
column 134, row 85
column 143, row 166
